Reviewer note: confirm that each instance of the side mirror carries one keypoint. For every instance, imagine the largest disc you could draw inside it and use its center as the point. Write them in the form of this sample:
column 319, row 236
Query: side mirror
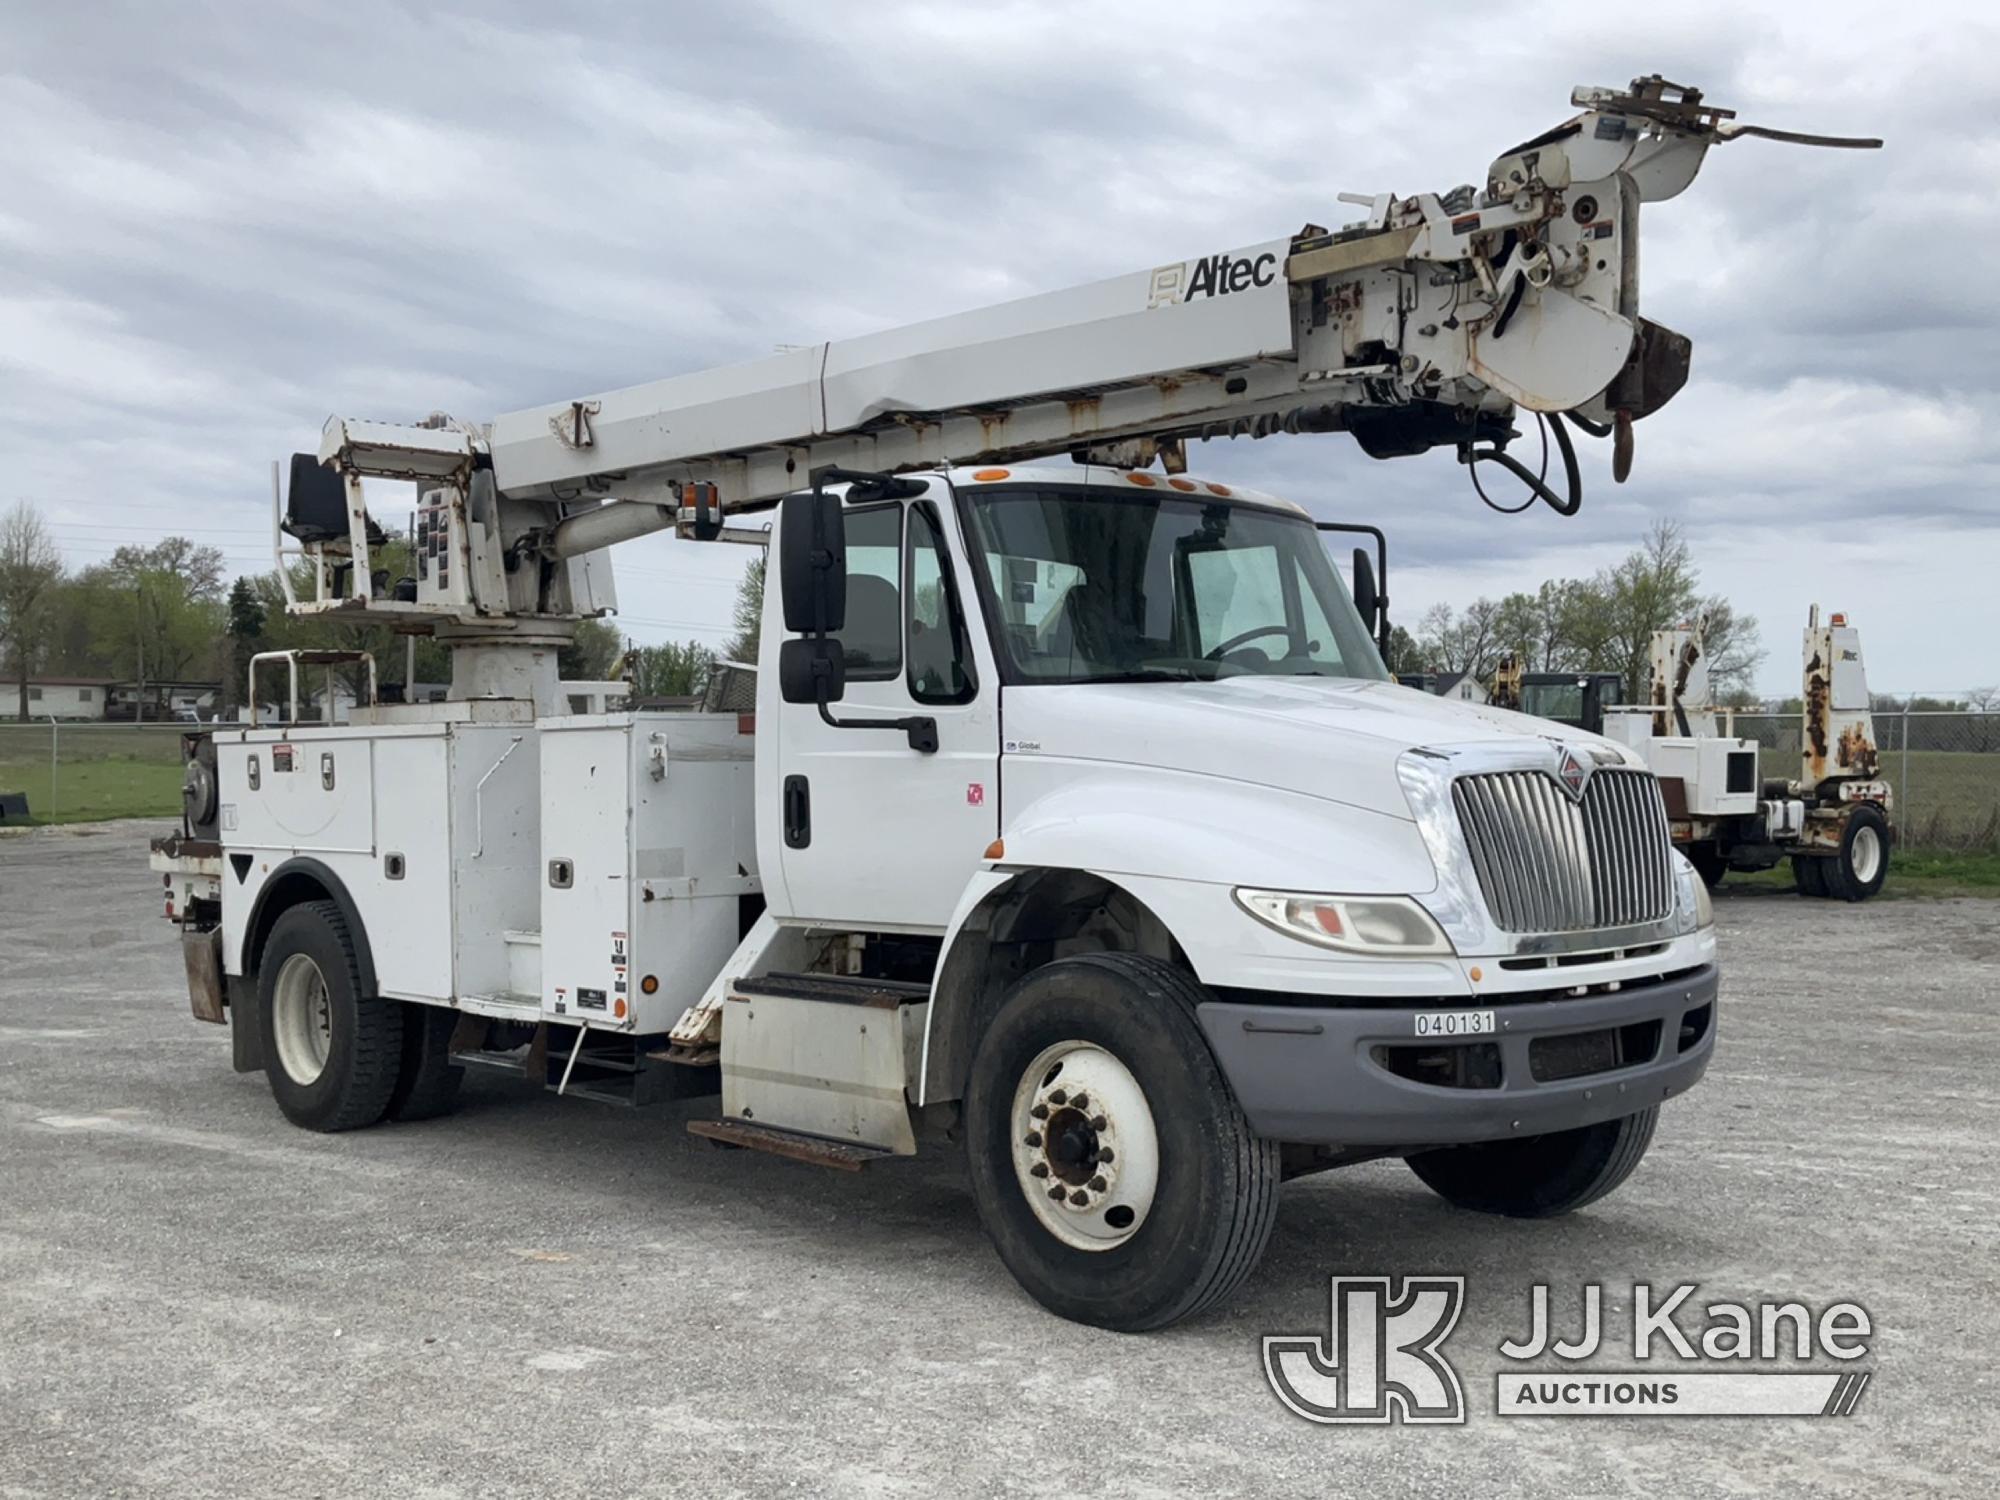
column 812, row 564
column 812, row 670
column 1367, row 597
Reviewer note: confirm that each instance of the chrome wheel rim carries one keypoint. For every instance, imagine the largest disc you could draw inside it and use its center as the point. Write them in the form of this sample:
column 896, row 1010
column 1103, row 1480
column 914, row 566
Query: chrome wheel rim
column 1866, row 854
column 1086, row 1151
column 301, row 1019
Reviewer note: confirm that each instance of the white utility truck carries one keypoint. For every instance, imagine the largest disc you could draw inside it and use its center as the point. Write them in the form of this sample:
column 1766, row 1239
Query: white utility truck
column 1832, row 819
column 1077, row 822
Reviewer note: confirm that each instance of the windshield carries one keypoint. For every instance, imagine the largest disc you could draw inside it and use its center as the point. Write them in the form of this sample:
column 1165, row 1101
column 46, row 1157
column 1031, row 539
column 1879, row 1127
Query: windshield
column 1095, row 585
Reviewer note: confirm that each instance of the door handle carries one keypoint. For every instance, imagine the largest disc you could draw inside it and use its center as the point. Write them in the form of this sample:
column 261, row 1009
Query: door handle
column 798, row 812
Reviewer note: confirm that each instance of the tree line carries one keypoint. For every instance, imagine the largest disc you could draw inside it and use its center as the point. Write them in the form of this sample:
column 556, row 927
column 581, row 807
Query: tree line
column 169, row 612
column 1603, row 623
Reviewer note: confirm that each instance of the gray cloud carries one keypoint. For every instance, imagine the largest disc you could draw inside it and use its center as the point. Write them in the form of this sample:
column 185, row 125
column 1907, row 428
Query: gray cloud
column 218, row 226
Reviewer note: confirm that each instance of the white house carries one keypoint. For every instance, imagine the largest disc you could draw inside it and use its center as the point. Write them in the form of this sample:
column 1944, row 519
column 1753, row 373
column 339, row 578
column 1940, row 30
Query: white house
column 57, row 697
column 1463, row 686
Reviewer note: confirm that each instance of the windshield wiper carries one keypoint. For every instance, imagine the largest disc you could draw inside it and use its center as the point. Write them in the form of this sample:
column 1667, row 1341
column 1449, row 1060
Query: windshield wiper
column 1151, row 674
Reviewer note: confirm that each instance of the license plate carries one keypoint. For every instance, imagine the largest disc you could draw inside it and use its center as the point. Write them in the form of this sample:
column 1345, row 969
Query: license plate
column 1455, row 1023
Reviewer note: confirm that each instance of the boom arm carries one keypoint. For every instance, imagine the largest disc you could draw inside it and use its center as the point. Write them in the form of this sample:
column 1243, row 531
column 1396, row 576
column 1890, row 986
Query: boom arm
column 1430, row 321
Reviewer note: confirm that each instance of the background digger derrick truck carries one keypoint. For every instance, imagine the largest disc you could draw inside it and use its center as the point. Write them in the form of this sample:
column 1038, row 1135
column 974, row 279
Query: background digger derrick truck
column 1079, row 821
column 1832, row 820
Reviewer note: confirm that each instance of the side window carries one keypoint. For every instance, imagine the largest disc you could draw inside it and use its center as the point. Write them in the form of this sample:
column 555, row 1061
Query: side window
column 872, row 640
column 940, row 664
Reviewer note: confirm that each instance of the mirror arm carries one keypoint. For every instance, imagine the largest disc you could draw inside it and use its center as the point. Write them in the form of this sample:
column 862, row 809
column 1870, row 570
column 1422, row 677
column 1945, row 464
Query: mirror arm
column 921, row 728
column 1382, row 631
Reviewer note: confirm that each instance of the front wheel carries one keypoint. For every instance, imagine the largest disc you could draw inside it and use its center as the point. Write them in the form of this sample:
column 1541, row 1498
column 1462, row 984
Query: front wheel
column 1709, row 862
column 1542, row 1177
column 1110, row 1162
column 1861, row 864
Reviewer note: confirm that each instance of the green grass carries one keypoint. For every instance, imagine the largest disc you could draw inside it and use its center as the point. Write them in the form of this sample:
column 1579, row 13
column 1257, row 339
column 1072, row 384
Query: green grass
column 1912, row 872
column 103, row 771
column 92, row 790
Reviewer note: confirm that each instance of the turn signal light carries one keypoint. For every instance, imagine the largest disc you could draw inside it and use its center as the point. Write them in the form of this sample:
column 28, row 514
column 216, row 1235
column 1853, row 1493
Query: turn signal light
column 997, row 849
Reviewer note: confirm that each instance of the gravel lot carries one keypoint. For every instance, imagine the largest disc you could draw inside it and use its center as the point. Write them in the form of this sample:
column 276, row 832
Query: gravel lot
column 549, row 1297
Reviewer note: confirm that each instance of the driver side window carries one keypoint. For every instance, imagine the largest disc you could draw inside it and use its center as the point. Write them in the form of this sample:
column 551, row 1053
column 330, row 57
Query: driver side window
column 1236, row 590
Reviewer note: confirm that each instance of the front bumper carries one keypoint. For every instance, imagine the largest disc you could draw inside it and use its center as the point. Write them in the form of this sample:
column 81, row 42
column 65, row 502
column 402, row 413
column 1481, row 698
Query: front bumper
column 1328, row 1075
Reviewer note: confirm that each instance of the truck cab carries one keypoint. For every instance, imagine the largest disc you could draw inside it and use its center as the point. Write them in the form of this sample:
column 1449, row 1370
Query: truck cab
column 1112, row 732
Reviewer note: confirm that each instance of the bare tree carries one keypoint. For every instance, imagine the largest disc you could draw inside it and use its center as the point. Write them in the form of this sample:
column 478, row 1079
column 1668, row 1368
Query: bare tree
column 197, row 566
column 30, row 569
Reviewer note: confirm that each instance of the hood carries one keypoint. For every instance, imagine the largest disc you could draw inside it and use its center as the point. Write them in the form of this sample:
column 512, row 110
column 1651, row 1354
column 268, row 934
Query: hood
column 1331, row 737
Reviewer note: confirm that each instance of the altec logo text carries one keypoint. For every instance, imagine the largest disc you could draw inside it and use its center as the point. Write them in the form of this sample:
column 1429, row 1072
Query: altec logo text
column 1383, row 1358
column 1211, row 276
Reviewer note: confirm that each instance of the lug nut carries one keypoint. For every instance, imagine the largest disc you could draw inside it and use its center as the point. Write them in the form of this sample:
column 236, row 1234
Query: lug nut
column 1059, row 1097
column 1081, row 1101
column 1034, row 1138
column 1105, row 1155
column 1098, row 1184
column 1057, row 1194
column 1040, row 1111
column 1039, row 1169
column 1098, row 1122
column 1079, row 1198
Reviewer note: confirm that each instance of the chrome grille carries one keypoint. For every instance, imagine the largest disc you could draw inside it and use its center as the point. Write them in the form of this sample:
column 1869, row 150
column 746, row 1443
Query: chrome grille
column 1548, row 863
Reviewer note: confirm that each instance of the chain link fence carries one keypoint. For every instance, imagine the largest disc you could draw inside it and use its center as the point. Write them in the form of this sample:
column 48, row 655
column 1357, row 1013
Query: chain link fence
column 85, row 772
column 1944, row 768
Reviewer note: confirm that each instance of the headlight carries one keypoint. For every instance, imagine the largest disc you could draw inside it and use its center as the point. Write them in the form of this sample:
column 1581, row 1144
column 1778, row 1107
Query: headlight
column 1692, row 908
column 1354, row 924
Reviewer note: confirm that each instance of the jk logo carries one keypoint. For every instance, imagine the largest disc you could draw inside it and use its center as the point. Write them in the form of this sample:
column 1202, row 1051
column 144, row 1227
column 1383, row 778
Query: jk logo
column 1380, row 1362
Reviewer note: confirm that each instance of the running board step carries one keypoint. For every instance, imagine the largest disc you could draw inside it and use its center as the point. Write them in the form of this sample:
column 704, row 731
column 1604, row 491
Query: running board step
column 842, row 1156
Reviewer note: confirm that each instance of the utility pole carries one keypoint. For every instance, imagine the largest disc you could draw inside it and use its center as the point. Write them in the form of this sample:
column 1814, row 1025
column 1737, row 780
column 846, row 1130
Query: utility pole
column 139, row 615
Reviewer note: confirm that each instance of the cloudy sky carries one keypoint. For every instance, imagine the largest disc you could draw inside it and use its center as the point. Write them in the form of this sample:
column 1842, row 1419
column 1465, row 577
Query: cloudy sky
column 220, row 223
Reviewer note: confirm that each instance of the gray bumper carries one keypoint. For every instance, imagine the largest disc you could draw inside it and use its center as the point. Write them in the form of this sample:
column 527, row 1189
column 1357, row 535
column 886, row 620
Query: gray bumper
column 1317, row 1074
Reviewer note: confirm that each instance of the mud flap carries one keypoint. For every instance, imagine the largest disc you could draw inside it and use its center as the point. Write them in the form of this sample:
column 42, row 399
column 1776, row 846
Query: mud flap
column 246, row 1044
column 201, row 953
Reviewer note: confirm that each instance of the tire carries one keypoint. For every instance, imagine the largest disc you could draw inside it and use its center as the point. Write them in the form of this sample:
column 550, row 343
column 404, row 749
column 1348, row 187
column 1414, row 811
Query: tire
column 1709, row 863
column 427, row 1080
column 1185, row 1212
column 1861, row 864
column 1809, row 870
column 306, row 973
column 1542, row 1177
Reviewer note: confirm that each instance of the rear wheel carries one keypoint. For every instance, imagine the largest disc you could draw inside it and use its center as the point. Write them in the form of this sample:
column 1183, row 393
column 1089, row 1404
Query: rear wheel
column 1542, row 1177
column 1111, row 1165
column 427, row 1082
column 1809, row 870
column 1861, row 864
column 332, row 1054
